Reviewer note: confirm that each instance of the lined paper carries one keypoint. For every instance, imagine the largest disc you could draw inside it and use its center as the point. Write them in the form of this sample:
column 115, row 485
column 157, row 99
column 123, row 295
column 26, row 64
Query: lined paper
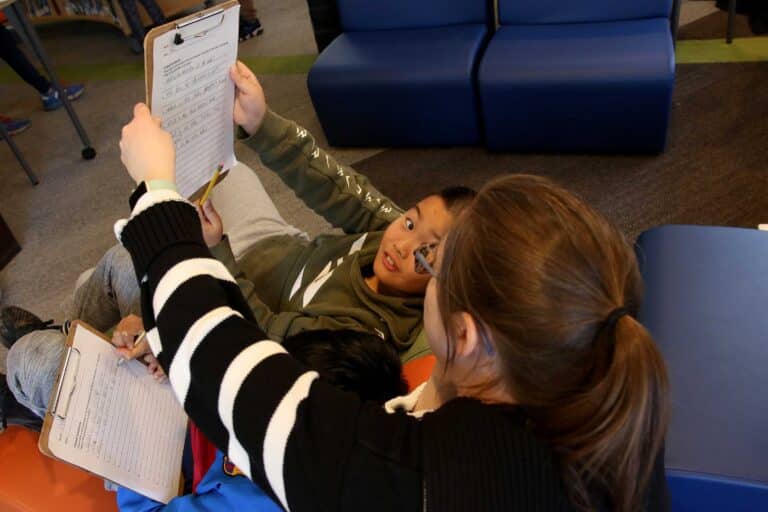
column 118, row 421
column 194, row 96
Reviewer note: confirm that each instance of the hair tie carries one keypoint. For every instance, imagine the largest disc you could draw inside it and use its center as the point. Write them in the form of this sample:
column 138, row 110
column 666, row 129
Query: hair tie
column 615, row 316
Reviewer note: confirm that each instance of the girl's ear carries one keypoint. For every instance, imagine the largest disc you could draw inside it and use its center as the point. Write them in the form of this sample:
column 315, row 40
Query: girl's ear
column 466, row 335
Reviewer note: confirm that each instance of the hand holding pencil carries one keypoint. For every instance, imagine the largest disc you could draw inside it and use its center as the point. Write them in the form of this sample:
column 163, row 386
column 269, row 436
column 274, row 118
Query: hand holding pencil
column 213, row 229
column 129, row 339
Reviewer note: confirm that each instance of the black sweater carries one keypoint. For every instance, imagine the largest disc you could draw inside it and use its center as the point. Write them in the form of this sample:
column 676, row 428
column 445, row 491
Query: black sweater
column 311, row 446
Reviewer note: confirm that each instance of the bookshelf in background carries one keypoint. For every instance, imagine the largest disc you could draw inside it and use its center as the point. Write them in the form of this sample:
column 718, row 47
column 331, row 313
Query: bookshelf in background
column 103, row 11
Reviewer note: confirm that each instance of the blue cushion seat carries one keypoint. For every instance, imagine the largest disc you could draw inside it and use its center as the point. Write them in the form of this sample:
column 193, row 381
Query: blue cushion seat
column 599, row 86
column 399, row 87
column 706, row 290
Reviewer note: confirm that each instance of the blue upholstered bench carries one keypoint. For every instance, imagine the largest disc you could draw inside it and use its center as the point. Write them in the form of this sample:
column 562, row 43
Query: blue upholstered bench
column 582, row 76
column 706, row 304
column 401, row 73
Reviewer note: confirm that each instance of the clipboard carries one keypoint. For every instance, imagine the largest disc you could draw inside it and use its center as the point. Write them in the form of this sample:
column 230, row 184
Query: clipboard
column 56, row 407
column 186, row 29
column 64, row 388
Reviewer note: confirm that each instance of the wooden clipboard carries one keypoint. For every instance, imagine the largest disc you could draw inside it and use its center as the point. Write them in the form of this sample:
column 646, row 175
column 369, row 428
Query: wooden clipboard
column 180, row 26
column 56, row 408
column 70, row 362
column 184, row 28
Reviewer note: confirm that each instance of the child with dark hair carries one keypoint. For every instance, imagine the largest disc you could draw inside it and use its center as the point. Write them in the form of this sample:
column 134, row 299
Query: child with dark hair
column 351, row 360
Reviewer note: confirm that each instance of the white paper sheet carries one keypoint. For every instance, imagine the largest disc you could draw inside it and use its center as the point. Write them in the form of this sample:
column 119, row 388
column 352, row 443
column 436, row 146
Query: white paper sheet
column 118, row 421
column 194, row 96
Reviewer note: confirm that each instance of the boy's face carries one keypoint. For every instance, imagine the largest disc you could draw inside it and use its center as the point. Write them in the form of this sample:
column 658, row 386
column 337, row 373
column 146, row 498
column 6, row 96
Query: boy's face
column 424, row 224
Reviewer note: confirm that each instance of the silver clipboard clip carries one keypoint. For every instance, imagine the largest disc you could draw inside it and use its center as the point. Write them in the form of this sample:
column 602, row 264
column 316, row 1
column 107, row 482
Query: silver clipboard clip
column 64, row 371
column 179, row 39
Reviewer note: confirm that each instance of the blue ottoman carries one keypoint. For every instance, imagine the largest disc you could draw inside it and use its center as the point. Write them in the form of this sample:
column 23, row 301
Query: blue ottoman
column 578, row 87
column 706, row 304
column 399, row 87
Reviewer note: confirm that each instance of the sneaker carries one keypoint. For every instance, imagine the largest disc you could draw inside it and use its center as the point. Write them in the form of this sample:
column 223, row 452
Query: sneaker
column 14, row 126
column 15, row 322
column 13, row 413
column 248, row 29
column 137, row 47
column 51, row 100
column 64, row 327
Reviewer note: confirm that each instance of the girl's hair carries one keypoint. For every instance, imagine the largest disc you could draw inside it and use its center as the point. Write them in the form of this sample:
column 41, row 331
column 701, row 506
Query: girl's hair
column 541, row 273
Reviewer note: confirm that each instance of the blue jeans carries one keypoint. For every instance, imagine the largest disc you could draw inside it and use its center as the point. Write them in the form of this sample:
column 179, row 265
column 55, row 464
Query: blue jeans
column 108, row 294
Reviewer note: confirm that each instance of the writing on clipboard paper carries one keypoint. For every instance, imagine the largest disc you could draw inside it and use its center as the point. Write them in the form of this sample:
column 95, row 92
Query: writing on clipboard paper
column 193, row 95
column 115, row 420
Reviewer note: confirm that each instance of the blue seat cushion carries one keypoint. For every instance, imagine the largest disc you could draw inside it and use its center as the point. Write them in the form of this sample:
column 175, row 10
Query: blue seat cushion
column 362, row 15
column 578, row 87
column 706, row 290
column 399, row 87
column 515, row 12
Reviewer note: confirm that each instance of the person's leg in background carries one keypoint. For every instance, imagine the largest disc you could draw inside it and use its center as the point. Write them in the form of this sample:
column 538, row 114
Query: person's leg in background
column 154, row 11
column 10, row 53
column 130, row 9
column 138, row 31
column 249, row 24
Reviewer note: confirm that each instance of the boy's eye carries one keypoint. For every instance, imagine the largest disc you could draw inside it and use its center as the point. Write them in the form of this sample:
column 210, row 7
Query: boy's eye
column 409, row 225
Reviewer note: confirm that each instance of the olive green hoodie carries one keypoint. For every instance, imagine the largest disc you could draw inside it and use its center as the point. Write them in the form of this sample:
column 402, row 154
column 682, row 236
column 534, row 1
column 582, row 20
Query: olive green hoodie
column 294, row 285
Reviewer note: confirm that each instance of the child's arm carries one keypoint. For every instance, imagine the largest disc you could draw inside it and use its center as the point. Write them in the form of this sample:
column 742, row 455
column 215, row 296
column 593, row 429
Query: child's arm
column 342, row 196
column 278, row 326
column 345, row 198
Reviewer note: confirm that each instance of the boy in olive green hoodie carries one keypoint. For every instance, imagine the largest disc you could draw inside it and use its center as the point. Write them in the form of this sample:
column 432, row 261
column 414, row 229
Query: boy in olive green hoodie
column 365, row 279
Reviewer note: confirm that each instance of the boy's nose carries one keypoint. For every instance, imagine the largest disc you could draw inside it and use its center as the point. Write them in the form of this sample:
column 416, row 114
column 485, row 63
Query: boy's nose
column 402, row 254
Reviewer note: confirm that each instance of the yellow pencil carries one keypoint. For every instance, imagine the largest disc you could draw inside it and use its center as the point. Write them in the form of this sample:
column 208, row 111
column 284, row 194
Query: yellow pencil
column 207, row 192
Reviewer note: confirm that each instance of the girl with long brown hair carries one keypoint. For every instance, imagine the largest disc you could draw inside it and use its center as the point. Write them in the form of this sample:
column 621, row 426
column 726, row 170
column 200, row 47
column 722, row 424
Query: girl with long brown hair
column 547, row 395
column 553, row 289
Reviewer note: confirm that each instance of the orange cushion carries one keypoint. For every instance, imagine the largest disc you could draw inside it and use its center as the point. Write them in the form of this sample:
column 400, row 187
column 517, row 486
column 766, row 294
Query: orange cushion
column 30, row 481
column 418, row 370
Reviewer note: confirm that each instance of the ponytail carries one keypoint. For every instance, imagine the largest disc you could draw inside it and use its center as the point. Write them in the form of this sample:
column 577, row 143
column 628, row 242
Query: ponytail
column 610, row 434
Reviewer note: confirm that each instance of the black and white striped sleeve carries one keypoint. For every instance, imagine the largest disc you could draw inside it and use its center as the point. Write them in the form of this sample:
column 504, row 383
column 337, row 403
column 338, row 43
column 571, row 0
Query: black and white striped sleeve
column 297, row 438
